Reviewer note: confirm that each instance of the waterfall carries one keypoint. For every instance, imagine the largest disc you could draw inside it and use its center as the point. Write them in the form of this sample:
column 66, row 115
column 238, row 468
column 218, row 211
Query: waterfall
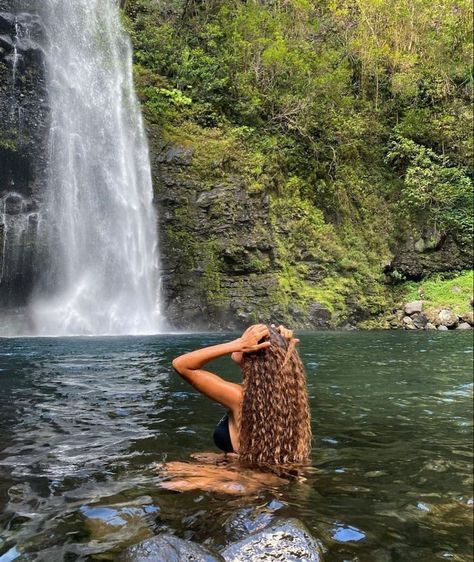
column 97, row 221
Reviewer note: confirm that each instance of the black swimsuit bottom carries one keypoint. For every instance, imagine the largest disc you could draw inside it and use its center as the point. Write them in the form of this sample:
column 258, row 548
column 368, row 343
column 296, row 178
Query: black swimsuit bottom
column 222, row 435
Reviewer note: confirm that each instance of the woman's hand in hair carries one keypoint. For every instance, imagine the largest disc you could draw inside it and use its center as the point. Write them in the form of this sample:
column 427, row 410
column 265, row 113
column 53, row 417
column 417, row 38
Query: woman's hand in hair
column 287, row 333
column 248, row 341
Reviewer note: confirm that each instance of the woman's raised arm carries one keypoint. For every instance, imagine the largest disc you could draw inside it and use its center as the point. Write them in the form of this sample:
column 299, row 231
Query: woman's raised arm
column 229, row 394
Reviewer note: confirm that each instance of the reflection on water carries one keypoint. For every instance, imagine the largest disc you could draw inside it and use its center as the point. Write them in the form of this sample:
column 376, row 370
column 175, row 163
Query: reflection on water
column 83, row 421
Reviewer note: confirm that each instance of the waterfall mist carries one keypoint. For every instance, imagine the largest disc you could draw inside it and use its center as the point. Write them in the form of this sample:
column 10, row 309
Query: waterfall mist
column 97, row 225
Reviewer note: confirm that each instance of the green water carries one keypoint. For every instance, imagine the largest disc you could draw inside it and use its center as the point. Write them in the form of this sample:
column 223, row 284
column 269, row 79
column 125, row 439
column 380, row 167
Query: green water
column 83, row 420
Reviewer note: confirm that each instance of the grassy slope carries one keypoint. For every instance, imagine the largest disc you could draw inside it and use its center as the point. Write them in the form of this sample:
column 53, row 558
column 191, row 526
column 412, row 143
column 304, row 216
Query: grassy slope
column 455, row 293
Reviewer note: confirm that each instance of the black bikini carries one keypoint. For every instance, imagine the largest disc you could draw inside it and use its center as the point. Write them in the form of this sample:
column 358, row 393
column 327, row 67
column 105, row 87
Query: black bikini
column 222, row 435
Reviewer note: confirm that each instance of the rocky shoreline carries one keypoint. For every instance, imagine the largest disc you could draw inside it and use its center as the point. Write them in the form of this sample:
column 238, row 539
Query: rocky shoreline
column 413, row 316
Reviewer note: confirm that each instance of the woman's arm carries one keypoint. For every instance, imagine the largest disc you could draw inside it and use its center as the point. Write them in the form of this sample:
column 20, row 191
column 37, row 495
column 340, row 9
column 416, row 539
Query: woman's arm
column 229, row 394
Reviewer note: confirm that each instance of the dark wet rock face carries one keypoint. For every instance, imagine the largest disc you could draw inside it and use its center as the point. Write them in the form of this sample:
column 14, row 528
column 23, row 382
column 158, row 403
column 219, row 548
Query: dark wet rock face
column 24, row 115
column 217, row 250
column 220, row 252
column 287, row 540
column 420, row 255
column 320, row 316
column 168, row 548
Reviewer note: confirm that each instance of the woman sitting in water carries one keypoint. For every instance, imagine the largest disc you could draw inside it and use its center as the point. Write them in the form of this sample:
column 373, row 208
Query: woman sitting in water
column 268, row 420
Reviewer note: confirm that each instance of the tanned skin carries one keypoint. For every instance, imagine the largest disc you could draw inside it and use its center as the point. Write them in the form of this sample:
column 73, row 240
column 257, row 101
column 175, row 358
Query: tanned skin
column 190, row 367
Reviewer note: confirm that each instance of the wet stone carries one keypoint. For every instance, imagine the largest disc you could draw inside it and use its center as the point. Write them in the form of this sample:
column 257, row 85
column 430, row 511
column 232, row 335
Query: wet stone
column 6, row 42
column 250, row 520
column 168, row 548
column 13, row 204
column 287, row 540
column 7, row 22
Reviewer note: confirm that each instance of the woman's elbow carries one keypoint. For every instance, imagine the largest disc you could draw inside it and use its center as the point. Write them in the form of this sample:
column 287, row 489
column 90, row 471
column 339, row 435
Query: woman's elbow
column 177, row 364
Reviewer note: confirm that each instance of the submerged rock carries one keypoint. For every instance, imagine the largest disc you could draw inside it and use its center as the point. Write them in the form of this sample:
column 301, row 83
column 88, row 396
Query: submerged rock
column 250, row 520
column 288, row 540
column 168, row 548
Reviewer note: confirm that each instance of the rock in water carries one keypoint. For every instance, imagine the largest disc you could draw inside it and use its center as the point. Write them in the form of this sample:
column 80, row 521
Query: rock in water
column 443, row 328
column 251, row 520
column 285, row 541
column 168, row 548
column 414, row 306
column 464, row 326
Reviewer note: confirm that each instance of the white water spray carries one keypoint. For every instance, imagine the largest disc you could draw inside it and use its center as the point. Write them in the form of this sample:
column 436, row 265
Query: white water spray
column 97, row 222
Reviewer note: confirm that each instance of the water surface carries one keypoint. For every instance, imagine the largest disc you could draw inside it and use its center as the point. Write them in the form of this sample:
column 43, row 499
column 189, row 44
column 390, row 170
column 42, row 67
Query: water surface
column 83, row 420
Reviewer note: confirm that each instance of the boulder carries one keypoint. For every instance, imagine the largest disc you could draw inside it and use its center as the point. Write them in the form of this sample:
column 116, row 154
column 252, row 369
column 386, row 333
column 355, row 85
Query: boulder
column 408, row 323
column 467, row 317
column 399, row 314
column 413, row 306
column 432, row 316
column 464, row 326
column 430, row 326
column 443, row 328
column 287, row 540
column 319, row 316
column 250, row 520
column 447, row 317
column 168, row 548
column 419, row 320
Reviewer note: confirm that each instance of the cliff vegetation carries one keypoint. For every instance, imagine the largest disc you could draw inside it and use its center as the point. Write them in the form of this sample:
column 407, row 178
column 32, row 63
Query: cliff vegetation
column 310, row 158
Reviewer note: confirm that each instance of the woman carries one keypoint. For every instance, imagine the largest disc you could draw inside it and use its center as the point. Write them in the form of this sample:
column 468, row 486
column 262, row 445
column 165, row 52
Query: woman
column 268, row 421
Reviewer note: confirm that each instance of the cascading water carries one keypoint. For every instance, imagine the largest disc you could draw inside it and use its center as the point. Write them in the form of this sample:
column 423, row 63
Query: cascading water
column 97, row 219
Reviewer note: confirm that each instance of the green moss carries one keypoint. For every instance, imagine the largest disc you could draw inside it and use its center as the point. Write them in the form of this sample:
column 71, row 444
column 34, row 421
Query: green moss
column 320, row 263
column 8, row 143
column 211, row 279
column 437, row 292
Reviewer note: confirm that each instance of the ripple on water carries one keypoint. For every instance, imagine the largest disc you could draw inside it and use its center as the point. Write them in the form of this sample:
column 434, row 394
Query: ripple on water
column 82, row 421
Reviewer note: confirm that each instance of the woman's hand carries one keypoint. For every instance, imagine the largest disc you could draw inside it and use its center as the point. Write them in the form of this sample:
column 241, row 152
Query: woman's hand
column 286, row 333
column 248, row 341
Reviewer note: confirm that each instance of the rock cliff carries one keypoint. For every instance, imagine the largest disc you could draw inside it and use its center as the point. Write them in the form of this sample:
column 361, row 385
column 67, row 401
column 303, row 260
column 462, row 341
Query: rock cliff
column 23, row 132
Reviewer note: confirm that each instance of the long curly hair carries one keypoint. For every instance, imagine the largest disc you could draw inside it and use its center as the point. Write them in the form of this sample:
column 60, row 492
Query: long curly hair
column 274, row 425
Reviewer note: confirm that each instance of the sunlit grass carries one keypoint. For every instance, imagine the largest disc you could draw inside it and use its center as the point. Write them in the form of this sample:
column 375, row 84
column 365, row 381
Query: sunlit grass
column 455, row 293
